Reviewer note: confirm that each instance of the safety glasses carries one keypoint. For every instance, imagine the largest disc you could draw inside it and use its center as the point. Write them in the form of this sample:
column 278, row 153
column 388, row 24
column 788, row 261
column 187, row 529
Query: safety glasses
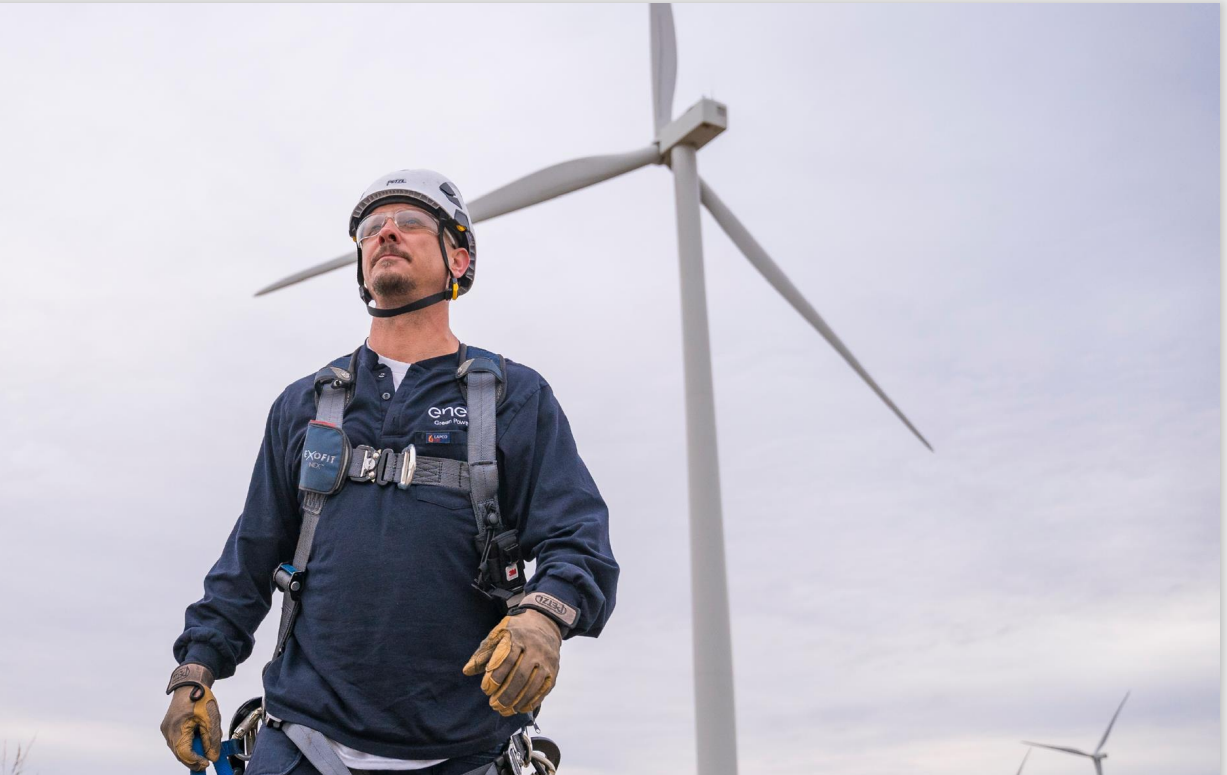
column 407, row 221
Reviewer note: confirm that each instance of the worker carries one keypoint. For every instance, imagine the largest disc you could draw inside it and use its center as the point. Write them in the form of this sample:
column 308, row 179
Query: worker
column 409, row 482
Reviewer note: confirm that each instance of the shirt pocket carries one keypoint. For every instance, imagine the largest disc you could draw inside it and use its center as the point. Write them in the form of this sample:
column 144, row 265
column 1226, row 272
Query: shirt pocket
column 448, row 498
column 444, row 527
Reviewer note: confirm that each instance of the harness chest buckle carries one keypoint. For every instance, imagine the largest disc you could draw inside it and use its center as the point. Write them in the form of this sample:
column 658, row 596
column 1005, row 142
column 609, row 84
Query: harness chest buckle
column 369, row 467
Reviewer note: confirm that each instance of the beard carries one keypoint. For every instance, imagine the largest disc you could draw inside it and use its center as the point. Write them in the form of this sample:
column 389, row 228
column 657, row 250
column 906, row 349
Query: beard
column 392, row 286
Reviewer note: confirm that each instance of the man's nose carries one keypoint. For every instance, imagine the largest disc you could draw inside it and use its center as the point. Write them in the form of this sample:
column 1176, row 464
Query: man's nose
column 389, row 230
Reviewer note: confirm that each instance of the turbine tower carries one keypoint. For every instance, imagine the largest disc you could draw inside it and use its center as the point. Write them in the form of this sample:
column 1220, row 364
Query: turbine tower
column 676, row 144
column 1097, row 757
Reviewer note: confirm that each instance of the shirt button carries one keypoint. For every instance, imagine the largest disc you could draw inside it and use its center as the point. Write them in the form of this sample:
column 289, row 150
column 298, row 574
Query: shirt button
column 386, row 396
column 382, row 374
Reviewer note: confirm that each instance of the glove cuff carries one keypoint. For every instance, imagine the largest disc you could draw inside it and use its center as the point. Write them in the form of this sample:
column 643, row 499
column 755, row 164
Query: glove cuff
column 190, row 674
column 564, row 615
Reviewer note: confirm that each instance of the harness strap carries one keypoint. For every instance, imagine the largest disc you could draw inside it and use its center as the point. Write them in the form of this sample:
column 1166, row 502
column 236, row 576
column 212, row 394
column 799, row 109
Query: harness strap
column 501, row 571
column 315, row 747
column 483, row 466
column 386, row 466
column 334, row 389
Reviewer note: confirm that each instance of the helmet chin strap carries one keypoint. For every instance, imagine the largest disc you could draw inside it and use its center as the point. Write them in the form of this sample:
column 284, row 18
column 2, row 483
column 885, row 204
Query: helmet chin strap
column 452, row 288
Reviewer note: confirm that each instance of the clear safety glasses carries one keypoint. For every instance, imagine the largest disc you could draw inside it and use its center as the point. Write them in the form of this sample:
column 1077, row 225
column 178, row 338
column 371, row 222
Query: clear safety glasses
column 406, row 220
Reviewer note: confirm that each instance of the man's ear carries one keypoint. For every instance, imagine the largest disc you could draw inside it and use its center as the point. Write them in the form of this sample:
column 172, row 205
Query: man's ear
column 459, row 262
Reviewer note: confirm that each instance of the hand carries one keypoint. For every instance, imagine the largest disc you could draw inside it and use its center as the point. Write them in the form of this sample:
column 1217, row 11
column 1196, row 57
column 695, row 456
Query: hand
column 193, row 709
column 520, row 659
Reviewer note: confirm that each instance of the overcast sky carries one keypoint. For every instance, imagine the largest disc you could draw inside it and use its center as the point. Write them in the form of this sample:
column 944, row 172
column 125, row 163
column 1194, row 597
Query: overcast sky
column 1010, row 214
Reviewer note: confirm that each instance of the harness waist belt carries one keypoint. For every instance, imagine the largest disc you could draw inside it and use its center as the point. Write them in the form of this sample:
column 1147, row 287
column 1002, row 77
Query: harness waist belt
column 387, row 466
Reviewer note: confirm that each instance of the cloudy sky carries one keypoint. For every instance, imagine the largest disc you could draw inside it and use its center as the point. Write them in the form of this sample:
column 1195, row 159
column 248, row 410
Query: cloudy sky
column 1010, row 214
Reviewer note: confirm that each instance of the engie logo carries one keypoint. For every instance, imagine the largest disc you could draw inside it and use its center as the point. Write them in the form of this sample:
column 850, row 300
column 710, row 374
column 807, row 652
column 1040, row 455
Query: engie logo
column 317, row 459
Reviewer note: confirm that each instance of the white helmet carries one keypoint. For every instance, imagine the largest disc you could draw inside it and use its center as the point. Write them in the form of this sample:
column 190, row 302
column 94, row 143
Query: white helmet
column 429, row 189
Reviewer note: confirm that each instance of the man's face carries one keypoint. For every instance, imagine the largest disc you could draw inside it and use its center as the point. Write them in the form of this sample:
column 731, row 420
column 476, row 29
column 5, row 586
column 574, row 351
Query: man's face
column 401, row 266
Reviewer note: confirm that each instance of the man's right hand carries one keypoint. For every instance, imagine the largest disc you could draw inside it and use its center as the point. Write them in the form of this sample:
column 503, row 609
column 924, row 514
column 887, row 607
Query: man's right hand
column 193, row 709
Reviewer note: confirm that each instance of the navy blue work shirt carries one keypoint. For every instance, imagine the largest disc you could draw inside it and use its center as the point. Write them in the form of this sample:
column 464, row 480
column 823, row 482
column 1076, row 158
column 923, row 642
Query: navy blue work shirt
column 388, row 616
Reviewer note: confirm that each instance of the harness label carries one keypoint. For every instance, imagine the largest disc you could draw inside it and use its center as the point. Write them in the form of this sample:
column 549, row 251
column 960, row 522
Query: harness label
column 325, row 456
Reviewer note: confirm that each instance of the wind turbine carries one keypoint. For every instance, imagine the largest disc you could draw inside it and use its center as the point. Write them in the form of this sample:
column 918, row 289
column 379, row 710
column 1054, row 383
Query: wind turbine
column 1024, row 761
column 1096, row 757
column 675, row 145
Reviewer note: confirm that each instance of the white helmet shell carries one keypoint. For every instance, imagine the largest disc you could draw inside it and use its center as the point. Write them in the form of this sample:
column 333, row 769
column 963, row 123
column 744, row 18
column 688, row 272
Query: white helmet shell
column 437, row 194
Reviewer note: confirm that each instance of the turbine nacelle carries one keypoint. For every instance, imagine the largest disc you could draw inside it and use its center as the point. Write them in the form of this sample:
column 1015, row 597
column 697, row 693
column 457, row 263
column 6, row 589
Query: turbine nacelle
column 697, row 127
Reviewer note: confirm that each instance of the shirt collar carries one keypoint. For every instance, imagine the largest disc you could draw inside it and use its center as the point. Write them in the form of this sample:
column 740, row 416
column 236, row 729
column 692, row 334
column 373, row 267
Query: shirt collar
column 370, row 360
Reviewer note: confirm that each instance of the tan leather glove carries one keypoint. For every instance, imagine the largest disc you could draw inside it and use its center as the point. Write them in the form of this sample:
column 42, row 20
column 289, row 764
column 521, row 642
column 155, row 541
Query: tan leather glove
column 192, row 708
column 520, row 658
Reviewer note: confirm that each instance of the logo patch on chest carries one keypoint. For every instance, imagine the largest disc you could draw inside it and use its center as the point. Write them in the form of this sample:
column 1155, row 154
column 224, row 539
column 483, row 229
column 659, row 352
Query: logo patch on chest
column 443, row 416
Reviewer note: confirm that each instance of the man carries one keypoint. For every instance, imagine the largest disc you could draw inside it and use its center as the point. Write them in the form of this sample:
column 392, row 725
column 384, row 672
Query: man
column 393, row 657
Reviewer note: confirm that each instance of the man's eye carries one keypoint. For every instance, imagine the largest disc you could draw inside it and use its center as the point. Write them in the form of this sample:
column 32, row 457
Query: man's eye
column 371, row 226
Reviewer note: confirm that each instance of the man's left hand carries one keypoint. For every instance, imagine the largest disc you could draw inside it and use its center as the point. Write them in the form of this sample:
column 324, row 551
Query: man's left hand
column 520, row 659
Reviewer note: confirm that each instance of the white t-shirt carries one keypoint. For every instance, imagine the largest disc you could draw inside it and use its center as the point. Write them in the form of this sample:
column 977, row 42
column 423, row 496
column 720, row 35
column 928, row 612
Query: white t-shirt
column 399, row 369
column 355, row 759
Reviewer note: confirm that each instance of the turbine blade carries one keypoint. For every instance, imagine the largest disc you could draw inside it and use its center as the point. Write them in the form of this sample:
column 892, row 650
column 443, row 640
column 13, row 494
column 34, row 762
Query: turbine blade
column 307, row 274
column 1110, row 723
column 529, row 190
column 1024, row 761
column 664, row 62
column 1059, row 748
column 558, row 180
column 771, row 271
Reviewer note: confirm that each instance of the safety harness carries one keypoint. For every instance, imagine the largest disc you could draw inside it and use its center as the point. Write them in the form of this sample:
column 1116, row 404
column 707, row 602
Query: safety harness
column 329, row 461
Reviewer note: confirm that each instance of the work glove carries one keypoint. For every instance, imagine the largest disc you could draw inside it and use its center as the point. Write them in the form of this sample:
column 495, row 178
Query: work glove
column 192, row 709
column 520, row 659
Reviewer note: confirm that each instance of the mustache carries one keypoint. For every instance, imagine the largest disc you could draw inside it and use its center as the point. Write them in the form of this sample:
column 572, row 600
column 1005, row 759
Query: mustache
column 389, row 250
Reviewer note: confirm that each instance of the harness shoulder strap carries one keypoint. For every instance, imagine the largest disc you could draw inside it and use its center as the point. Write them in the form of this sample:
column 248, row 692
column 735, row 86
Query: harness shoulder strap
column 481, row 379
column 334, row 389
column 482, row 376
column 468, row 353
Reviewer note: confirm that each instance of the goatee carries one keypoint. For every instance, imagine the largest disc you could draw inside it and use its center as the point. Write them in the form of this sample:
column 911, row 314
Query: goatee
column 392, row 286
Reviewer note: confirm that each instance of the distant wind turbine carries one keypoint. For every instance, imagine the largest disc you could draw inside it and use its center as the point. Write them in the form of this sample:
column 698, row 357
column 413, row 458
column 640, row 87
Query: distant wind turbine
column 1096, row 757
column 675, row 145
